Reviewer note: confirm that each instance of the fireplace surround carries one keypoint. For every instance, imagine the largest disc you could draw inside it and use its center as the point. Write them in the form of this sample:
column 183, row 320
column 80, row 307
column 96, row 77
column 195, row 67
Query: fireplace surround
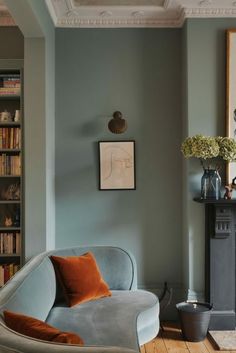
column 220, row 281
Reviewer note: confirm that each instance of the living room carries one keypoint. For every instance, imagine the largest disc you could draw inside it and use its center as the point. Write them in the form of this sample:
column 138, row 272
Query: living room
column 169, row 82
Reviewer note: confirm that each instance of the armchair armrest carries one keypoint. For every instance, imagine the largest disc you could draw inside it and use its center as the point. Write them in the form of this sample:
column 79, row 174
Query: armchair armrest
column 13, row 342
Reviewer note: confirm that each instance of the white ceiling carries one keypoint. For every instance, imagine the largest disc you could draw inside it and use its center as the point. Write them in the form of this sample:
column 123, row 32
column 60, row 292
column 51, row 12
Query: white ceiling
column 129, row 13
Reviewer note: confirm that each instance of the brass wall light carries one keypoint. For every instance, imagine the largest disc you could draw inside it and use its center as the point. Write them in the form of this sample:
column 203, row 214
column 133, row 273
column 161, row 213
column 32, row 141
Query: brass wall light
column 117, row 125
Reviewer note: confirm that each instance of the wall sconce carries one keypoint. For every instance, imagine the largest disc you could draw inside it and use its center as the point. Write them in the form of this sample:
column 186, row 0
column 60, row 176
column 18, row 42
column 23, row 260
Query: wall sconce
column 117, row 125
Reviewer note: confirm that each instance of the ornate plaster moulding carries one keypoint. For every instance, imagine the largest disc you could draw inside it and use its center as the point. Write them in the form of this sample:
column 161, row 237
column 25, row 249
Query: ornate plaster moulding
column 209, row 12
column 117, row 23
column 135, row 13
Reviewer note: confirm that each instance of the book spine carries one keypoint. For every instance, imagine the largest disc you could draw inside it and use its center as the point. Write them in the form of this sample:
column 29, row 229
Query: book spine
column 18, row 243
column 6, row 273
column 1, row 276
column 4, row 137
column 13, row 91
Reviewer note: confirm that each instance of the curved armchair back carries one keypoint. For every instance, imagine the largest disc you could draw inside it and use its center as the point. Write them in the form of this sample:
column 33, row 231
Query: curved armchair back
column 32, row 291
column 117, row 266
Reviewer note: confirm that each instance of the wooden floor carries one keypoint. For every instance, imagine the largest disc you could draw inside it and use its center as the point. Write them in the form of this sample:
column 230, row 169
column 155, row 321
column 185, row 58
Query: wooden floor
column 170, row 341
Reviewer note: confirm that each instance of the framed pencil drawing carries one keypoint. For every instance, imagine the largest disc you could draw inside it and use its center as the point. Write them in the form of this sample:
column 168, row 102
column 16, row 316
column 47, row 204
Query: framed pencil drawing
column 231, row 97
column 116, row 165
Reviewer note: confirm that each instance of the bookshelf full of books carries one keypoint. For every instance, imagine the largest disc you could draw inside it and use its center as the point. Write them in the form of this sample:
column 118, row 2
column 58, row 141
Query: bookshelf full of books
column 11, row 188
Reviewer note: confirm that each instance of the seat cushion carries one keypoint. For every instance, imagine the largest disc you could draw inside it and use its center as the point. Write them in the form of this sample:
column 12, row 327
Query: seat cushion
column 111, row 320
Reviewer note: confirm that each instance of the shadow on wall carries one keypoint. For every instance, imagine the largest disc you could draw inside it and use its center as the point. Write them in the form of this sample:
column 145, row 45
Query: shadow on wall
column 92, row 127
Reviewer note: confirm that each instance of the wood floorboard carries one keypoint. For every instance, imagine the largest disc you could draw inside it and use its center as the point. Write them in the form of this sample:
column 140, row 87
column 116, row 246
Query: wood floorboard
column 160, row 345
column 173, row 340
column 170, row 340
column 197, row 347
column 142, row 349
column 150, row 347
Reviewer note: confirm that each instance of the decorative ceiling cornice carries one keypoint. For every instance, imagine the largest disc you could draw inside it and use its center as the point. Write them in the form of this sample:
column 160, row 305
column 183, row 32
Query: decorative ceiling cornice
column 155, row 13
column 118, row 23
column 129, row 13
column 209, row 12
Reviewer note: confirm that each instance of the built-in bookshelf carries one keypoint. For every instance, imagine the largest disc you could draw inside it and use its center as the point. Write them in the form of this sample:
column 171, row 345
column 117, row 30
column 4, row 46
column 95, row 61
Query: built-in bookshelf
column 11, row 171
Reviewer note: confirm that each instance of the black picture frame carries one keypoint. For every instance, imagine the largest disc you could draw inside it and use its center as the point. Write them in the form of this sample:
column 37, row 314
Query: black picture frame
column 117, row 165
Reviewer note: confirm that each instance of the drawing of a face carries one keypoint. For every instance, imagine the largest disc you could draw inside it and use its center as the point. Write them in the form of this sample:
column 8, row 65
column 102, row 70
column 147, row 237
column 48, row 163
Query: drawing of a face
column 121, row 163
column 118, row 160
column 117, row 165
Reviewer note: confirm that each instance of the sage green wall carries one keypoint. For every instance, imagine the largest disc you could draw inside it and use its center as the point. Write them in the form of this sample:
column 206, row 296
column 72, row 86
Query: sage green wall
column 204, row 106
column 137, row 71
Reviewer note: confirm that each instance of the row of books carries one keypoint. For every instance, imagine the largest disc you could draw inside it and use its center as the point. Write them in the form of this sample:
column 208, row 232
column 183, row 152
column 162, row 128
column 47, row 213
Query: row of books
column 7, row 271
column 10, row 137
column 10, row 84
column 10, row 243
column 10, row 165
column 13, row 91
column 9, row 81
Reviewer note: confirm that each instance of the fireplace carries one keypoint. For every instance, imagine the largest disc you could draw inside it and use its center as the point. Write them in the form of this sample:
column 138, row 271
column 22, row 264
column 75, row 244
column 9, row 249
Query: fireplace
column 220, row 220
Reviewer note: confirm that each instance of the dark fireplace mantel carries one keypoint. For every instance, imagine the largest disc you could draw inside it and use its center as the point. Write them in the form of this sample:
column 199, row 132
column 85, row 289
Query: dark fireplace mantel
column 220, row 281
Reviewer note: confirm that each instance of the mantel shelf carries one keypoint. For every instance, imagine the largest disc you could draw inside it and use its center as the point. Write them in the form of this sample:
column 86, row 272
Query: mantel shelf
column 215, row 202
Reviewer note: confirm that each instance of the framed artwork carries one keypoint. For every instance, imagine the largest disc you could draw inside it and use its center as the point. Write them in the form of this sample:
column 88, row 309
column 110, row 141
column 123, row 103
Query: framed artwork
column 116, row 165
column 231, row 97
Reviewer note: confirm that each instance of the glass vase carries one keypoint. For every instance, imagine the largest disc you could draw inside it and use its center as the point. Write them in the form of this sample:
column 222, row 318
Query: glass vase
column 210, row 184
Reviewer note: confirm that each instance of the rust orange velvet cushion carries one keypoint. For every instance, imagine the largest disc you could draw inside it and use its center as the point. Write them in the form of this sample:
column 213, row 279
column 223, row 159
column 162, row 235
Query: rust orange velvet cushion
column 80, row 278
column 35, row 328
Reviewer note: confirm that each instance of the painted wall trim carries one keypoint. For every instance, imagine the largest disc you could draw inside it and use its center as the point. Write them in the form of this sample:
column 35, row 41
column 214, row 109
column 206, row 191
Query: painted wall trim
column 51, row 11
column 24, row 18
column 35, row 144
